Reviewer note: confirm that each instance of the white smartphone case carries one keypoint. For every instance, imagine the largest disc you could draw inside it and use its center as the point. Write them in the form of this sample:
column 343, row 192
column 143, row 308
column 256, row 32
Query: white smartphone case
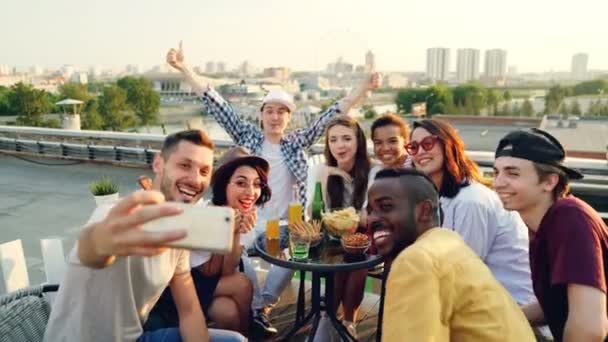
column 209, row 228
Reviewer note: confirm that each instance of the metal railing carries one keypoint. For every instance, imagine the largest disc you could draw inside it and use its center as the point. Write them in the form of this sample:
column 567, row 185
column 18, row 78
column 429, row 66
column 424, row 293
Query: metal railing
column 139, row 149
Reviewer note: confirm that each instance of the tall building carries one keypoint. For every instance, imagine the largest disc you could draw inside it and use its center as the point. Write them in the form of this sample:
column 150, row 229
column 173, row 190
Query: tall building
column 579, row 66
column 133, row 69
column 281, row 73
column 4, row 70
column 370, row 61
column 437, row 63
column 340, row 67
column 221, row 67
column 210, row 68
column 36, row 70
column 67, row 71
column 246, row 69
column 496, row 65
column 467, row 65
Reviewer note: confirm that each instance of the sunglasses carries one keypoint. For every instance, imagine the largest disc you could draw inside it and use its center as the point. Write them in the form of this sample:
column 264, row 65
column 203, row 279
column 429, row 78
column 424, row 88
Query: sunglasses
column 427, row 144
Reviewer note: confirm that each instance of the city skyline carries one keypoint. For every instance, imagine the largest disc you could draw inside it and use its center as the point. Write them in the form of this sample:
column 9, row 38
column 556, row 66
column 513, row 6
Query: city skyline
column 540, row 36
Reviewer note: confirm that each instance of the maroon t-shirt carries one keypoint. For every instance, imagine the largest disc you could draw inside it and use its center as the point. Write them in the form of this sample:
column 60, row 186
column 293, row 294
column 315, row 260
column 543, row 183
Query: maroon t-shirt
column 570, row 247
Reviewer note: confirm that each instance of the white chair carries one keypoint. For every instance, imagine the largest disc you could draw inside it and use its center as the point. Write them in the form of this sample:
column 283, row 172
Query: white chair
column 13, row 268
column 54, row 260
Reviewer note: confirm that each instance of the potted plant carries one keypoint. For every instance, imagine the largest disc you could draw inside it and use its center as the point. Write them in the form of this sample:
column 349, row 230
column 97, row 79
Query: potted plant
column 104, row 190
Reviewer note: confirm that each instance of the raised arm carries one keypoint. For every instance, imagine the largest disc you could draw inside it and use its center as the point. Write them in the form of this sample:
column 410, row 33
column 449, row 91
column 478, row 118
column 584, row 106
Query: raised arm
column 216, row 105
column 309, row 135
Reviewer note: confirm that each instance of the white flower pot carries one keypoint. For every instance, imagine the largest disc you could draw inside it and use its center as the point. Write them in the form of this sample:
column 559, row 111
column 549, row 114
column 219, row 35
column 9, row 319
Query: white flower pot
column 100, row 200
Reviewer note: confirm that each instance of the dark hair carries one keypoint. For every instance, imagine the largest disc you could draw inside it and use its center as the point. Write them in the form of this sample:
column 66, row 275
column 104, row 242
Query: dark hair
column 359, row 172
column 562, row 188
column 392, row 120
column 221, row 183
column 195, row 136
column 458, row 169
column 416, row 191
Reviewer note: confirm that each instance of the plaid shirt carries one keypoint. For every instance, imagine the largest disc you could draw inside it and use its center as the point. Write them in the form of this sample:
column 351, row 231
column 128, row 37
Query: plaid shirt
column 248, row 135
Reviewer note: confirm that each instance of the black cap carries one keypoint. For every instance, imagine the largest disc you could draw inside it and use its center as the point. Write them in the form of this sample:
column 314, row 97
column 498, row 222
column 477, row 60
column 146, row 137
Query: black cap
column 537, row 146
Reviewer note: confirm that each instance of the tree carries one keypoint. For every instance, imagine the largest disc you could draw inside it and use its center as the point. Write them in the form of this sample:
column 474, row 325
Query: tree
column 406, row 97
column 507, row 96
column 142, row 98
column 575, row 108
column 492, row 99
column 471, row 97
column 516, row 110
column 90, row 118
column 554, row 98
column 590, row 87
column 563, row 108
column 368, row 111
column 29, row 104
column 4, row 107
column 604, row 110
column 438, row 99
column 526, row 108
column 595, row 108
column 75, row 91
column 114, row 109
column 506, row 109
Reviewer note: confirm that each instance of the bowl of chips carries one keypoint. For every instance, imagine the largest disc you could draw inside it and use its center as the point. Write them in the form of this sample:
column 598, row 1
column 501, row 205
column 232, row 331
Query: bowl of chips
column 341, row 222
column 357, row 243
column 310, row 231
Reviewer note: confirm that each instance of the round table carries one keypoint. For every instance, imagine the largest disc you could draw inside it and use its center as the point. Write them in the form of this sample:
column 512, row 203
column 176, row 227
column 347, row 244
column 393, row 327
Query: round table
column 324, row 260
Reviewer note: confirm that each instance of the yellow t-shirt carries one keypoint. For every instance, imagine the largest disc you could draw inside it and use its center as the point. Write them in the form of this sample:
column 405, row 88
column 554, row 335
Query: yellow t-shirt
column 439, row 290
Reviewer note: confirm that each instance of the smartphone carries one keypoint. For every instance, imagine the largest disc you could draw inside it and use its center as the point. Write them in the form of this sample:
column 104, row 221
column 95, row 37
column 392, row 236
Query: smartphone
column 209, row 228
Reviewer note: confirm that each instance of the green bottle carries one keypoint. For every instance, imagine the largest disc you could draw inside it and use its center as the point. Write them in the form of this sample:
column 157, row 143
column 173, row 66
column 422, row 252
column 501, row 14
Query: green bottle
column 318, row 207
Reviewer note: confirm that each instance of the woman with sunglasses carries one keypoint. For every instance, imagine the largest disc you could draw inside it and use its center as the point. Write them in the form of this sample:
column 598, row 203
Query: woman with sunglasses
column 225, row 294
column 344, row 182
column 498, row 236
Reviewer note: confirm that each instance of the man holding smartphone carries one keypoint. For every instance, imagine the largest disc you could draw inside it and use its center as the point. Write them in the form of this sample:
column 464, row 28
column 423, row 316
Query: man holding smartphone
column 116, row 271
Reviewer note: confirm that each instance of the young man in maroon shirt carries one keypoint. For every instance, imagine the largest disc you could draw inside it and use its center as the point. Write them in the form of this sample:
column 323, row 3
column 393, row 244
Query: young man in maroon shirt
column 568, row 239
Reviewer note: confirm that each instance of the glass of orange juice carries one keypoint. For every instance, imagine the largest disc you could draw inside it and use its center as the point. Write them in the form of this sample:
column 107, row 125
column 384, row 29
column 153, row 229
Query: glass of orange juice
column 272, row 229
column 273, row 247
column 294, row 213
column 295, row 209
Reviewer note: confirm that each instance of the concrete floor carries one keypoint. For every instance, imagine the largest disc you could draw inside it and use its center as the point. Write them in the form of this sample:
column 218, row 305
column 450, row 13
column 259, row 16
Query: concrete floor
column 51, row 200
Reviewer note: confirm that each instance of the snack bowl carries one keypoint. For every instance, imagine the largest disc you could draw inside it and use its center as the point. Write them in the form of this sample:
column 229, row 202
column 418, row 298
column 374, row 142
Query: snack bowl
column 341, row 222
column 355, row 243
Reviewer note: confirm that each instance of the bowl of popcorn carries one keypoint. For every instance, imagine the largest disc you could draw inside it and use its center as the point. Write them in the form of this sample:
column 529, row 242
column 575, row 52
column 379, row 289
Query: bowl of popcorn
column 357, row 243
column 341, row 222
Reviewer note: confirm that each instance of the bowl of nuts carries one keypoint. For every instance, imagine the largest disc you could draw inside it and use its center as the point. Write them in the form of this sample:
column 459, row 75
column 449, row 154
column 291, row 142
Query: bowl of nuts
column 357, row 243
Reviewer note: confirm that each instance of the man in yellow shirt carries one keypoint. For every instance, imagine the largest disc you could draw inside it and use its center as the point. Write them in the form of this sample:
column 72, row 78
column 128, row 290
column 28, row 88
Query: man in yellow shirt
column 438, row 289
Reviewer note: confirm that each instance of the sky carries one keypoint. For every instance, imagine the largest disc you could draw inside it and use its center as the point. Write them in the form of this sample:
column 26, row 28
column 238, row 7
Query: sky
column 539, row 35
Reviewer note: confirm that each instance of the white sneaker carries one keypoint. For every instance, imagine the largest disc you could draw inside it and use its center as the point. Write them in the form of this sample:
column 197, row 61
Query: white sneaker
column 352, row 328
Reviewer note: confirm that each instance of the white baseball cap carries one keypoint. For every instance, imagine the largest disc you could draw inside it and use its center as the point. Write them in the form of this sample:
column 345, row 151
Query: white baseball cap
column 280, row 96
